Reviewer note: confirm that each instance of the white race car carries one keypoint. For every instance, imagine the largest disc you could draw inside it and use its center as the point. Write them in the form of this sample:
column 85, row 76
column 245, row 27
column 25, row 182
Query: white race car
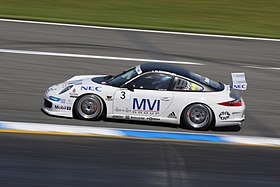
column 151, row 92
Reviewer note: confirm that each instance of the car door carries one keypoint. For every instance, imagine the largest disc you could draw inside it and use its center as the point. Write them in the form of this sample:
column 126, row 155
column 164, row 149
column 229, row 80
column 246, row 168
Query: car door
column 145, row 97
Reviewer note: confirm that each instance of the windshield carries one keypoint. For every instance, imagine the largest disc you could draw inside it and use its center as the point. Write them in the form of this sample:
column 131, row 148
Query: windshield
column 122, row 78
column 204, row 80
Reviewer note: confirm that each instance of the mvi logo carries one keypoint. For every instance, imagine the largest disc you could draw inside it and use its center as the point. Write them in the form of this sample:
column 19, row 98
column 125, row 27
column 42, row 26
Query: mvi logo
column 146, row 104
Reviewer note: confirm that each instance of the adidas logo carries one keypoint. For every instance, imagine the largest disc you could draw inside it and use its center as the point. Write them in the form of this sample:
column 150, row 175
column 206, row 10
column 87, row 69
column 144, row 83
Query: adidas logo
column 172, row 115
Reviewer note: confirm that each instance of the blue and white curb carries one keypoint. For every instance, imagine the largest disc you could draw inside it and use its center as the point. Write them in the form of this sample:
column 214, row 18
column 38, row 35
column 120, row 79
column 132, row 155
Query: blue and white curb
column 142, row 134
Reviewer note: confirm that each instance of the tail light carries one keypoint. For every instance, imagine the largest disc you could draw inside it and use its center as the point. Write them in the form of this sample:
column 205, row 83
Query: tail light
column 236, row 102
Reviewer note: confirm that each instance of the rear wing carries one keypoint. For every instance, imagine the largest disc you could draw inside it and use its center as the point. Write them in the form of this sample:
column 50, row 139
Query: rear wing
column 239, row 85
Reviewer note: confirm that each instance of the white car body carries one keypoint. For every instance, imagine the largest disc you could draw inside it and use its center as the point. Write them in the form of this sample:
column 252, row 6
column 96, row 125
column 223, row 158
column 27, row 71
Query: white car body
column 146, row 105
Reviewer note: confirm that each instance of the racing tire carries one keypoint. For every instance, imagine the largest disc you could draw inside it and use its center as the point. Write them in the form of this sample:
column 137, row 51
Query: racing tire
column 197, row 117
column 89, row 107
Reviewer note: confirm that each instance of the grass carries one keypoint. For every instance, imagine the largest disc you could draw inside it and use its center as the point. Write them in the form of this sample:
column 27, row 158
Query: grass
column 259, row 18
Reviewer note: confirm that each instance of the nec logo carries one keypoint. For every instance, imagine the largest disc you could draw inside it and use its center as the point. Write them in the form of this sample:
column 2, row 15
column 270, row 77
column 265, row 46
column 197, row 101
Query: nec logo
column 146, row 104
column 91, row 88
column 239, row 86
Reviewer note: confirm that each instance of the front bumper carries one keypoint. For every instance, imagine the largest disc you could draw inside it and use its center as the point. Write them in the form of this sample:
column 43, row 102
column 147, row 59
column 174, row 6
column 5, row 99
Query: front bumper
column 61, row 107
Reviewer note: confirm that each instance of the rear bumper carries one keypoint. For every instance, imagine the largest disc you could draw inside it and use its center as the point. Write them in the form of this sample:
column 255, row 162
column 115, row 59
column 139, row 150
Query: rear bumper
column 230, row 122
column 229, row 116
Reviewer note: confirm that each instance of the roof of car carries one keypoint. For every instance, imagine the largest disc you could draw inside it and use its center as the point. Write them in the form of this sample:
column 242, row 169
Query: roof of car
column 182, row 72
column 165, row 67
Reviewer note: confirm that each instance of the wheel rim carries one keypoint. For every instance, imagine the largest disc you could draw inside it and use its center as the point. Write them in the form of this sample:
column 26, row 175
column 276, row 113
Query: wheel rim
column 89, row 107
column 198, row 116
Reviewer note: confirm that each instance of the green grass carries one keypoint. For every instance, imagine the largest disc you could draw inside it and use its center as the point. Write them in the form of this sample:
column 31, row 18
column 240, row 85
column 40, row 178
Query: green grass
column 260, row 18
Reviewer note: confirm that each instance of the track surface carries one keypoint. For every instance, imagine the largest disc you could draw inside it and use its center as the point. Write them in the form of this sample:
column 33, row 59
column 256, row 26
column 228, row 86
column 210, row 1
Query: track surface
column 24, row 78
column 39, row 160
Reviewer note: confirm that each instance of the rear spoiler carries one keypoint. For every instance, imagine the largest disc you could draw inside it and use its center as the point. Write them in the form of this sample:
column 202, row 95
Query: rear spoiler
column 239, row 85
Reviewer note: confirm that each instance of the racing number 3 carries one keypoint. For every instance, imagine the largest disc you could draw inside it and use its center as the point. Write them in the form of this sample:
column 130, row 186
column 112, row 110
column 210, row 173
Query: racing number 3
column 122, row 95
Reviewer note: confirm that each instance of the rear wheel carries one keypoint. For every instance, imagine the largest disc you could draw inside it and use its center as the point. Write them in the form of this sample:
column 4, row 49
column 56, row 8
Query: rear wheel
column 197, row 116
column 89, row 107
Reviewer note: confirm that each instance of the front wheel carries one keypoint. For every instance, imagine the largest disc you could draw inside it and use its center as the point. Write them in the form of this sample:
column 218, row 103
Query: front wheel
column 89, row 107
column 197, row 117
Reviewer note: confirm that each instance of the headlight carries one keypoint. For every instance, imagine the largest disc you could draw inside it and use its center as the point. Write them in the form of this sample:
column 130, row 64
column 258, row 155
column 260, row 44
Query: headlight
column 66, row 89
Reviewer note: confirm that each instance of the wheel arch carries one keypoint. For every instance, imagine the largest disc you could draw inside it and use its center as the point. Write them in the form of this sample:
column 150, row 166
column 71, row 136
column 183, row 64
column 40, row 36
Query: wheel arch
column 213, row 122
column 77, row 99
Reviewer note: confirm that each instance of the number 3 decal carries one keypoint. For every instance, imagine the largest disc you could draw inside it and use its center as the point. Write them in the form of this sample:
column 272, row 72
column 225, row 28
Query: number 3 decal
column 123, row 95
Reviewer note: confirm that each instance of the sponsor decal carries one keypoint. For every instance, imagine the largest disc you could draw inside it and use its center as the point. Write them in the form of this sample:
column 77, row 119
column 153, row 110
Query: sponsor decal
column 224, row 115
column 61, row 107
column 146, row 106
column 91, row 88
column 137, row 118
column 109, row 98
column 56, row 99
column 66, row 101
column 152, row 119
column 122, row 110
column 118, row 117
column 73, row 93
column 138, row 69
column 172, row 115
column 239, row 86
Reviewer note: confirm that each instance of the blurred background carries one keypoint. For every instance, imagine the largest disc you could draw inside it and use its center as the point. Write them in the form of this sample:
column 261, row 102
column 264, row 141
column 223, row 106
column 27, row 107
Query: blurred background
column 238, row 17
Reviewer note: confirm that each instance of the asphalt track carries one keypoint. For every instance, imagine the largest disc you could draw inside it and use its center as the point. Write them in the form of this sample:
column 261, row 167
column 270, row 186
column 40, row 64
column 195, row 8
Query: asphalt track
column 66, row 161
column 40, row 160
column 24, row 78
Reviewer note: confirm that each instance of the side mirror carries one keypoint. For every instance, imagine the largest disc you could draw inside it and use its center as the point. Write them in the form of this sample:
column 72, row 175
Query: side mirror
column 130, row 88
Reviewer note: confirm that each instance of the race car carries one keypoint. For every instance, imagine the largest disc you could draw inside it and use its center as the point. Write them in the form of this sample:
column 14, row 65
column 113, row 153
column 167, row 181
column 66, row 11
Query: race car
column 151, row 92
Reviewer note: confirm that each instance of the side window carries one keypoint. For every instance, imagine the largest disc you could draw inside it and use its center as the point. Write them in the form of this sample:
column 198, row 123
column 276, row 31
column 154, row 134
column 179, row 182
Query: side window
column 153, row 81
column 185, row 85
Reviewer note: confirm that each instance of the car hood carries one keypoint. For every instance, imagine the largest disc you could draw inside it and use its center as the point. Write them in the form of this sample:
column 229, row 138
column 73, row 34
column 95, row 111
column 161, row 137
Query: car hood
column 86, row 79
column 76, row 80
column 83, row 77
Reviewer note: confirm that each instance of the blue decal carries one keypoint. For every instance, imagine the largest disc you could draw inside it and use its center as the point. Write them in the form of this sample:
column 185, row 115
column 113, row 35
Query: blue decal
column 146, row 104
column 176, row 136
column 54, row 98
column 91, row 88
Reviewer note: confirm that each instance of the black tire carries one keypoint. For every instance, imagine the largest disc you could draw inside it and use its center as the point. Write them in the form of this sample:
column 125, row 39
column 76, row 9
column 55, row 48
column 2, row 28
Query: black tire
column 197, row 117
column 89, row 107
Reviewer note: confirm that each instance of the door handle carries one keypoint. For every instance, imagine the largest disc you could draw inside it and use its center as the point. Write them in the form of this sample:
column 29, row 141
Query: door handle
column 165, row 98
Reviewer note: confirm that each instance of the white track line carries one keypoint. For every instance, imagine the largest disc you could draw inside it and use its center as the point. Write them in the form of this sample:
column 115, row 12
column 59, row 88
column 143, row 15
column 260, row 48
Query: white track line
column 94, row 56
column 262, row 67
column 140, row 30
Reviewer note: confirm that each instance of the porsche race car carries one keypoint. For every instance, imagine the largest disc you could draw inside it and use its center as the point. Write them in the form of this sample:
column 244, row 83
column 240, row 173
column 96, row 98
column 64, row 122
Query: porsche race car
column 151, row 92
